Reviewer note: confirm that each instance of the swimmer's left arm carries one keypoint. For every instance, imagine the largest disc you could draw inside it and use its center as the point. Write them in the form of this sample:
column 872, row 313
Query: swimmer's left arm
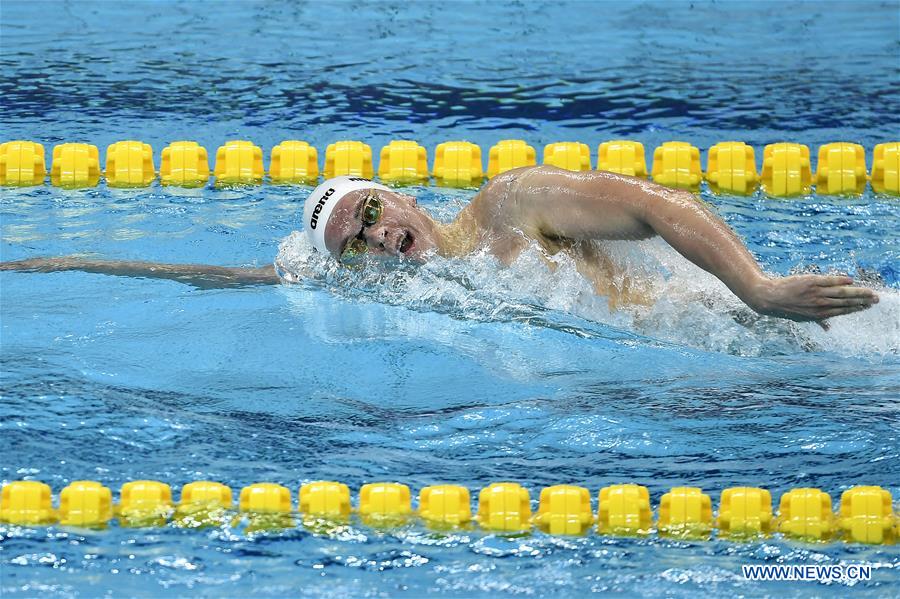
column 199, row 275
column 602, row 205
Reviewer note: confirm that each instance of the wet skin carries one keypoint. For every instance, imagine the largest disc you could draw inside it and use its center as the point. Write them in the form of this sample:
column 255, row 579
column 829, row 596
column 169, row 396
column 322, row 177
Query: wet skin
column 564, row 210
column 560, row 210
column 403, row 230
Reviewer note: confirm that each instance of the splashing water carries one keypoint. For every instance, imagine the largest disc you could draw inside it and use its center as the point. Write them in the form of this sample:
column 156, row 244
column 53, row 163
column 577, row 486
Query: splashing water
column 688, row 305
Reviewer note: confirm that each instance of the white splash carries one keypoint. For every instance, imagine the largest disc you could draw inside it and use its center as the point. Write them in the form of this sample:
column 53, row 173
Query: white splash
column 690, row 307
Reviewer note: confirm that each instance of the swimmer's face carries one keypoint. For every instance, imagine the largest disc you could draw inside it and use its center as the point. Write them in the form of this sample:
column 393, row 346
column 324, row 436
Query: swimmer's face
column 401, row 230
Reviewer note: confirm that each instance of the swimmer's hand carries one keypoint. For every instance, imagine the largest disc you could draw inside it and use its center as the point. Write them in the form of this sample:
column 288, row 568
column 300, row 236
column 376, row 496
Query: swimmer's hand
column 810, row 297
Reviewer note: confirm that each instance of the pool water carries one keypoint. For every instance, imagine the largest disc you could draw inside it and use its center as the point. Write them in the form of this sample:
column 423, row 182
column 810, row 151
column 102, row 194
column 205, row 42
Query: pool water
column 458, row 371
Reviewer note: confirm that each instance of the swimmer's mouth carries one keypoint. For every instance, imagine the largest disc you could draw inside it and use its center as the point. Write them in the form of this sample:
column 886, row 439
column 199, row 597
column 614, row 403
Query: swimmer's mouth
column 406, row 243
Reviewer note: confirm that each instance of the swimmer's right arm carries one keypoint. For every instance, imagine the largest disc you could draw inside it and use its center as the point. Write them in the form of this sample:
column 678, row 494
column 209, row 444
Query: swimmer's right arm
column 601, row 205
column 199, row 275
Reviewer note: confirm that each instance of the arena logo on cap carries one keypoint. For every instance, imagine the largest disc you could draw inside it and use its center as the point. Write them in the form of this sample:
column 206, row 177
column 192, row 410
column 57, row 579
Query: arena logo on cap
column 314, row 219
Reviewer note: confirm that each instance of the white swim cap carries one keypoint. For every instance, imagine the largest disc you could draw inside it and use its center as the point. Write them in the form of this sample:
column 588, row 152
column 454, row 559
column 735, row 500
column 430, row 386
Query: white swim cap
column 324, row 198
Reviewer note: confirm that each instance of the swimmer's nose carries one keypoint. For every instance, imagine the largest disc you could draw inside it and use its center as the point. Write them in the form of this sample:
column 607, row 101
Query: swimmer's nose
column 376, row 237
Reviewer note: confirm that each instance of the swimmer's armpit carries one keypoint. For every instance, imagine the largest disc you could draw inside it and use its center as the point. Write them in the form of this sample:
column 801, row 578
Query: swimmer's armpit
column 201, row 276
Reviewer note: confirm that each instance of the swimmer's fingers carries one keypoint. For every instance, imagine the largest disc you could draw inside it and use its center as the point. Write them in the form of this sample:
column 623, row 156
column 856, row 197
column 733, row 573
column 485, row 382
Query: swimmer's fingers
column 825, row 326
column 832, row 280
column 839, row 302
column 847, row 292
column 814, row 297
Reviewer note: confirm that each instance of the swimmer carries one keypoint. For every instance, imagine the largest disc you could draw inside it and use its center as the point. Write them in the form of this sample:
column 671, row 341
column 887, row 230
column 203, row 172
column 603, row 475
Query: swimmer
column 353, row 219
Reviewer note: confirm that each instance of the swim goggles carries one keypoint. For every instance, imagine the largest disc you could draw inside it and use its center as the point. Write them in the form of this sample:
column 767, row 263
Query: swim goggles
column 370, row 214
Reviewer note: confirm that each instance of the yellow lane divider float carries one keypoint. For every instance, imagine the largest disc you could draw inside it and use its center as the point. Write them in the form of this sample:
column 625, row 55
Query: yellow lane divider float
column 731, row 168
column 403, row 163
column 508, row 154
column 129, row 164
column 239, row 163
column 22, row 163
column 75, row 165
column 294, row 162
column 677, row 164
column 685, row 512
column 458, row 164
column 842, row 168
column 623, row 157
column 568, row 155
column 886, row 168
column 352, row 158
column 731, row 165
column 184, row 164
column 786, row 170
column 745, row 513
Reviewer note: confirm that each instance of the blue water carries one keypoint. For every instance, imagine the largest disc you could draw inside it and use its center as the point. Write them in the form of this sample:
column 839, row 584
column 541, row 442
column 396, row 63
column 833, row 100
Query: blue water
column 459, row 371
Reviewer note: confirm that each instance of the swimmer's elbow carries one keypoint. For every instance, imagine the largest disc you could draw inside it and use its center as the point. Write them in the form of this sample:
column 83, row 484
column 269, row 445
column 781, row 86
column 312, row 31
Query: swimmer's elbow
column 225, row 276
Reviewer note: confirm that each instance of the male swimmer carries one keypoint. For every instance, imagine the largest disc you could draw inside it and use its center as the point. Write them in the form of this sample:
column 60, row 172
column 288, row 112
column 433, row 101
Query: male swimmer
column 352, row 218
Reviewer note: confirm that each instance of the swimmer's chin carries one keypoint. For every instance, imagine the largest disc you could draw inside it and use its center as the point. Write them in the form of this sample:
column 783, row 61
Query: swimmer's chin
column 392, row 261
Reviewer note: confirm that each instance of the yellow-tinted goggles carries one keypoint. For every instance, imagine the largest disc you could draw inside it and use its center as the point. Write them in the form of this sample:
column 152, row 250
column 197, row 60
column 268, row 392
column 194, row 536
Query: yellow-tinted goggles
column 370, row 214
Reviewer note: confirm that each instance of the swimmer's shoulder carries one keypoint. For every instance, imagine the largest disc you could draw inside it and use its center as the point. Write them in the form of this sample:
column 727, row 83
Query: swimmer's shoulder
column 505, row 204
column 523, row 191
column 503, row 190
